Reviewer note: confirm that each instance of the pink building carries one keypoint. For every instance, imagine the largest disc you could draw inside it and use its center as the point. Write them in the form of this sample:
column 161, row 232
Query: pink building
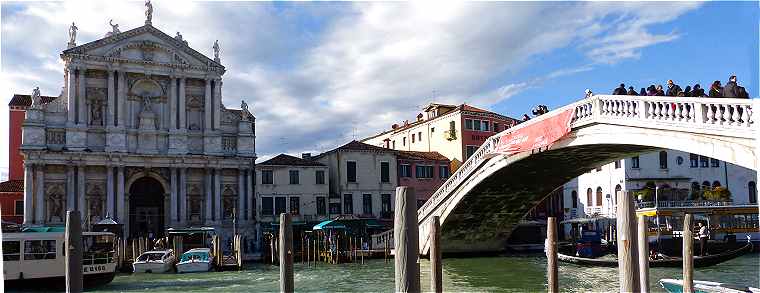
column 424, row 171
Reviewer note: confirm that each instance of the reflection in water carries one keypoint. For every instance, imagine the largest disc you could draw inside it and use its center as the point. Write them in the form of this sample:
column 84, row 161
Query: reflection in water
column 493, row 274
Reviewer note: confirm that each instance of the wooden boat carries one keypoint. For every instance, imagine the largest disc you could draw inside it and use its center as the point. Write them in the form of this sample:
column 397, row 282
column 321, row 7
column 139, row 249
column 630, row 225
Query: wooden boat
column 699, row 261
column 155, row 261
column 673, row 286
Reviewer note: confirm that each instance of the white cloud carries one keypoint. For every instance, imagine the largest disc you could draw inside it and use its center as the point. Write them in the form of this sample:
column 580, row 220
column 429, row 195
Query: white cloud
column 362, row 66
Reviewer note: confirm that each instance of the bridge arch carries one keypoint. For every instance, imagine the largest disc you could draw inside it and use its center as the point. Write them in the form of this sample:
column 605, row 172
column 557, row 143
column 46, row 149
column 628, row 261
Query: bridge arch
column 481, row 203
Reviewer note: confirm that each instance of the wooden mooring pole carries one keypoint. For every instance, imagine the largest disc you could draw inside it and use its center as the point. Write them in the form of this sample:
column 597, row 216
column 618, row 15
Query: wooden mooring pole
column 643, row 254
column 552, row 270
column 362, row 247
column 74, row 252
column 436, row 268
column 688, row 255
column 626, row 243
column 406, row 240
column 286, row 254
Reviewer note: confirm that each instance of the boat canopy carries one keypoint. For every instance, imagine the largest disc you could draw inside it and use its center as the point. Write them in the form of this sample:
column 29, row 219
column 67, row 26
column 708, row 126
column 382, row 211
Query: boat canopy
column 329, row 224
column 190, row 230
column 196, row 255
column 586, row 220
column 44, row 229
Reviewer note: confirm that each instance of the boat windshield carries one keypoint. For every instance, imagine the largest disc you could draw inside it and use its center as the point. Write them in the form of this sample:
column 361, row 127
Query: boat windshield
column 195, row 256
column 151, row 256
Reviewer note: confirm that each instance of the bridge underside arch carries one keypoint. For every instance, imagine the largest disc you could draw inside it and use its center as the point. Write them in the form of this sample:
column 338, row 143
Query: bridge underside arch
column 480, row 214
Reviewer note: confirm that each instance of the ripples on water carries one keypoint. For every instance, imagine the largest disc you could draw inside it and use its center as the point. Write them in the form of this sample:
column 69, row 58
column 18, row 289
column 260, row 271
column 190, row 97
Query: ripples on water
column 494, row 274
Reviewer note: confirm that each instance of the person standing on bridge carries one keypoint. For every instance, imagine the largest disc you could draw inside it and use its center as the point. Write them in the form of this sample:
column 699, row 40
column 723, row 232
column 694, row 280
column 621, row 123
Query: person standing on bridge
column 643, row 92
column 716, row 91
column 698, row 91
column 631, row 91
column 659, row 91
column 651, row 90
column 620, row 91
column 673, row 89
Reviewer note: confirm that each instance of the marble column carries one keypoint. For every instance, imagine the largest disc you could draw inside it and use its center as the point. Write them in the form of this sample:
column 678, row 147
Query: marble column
column 110, row 192
column 28, row 194
column 81, row 203
column 121, row 98
column 39, row 194
column 209, row 196
column 217, row 103
column 207, row 108
column 81, row 97
column 183, row 196
column 71, row 191
column 71, row 94
column 218, row 195
column 173, row 104
column 251, row 197
column 240, row 211
column 111, row 100
column 120, row 201
column 182, row 105
column 173, row 196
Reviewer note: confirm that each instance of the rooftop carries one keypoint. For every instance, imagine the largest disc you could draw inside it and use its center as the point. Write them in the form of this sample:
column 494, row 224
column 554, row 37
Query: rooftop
column 412, row 155
column 287, row 160
column 26, row 100
column 12, row 186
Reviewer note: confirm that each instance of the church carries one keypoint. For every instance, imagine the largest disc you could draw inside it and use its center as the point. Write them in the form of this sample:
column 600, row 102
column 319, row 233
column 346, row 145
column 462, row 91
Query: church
column 139, row 134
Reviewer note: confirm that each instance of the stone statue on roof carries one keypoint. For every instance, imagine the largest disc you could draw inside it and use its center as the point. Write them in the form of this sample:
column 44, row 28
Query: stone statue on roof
column 73, row 33
column 114, row 28
column 148, row 12
column 36, row 99
column 245, row 114
column 216, row 50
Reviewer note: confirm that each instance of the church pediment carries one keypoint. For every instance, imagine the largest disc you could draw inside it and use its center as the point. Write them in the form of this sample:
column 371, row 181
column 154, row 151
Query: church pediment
column 145, row 44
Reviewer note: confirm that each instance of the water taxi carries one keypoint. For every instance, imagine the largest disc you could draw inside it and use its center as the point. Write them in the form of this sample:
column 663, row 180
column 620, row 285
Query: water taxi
column 673, row 286
column 37, row 255
column 196, row 260
column 155, row 261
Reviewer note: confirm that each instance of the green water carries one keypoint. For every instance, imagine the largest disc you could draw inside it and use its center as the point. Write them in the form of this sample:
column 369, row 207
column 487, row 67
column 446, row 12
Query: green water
column 493, row 274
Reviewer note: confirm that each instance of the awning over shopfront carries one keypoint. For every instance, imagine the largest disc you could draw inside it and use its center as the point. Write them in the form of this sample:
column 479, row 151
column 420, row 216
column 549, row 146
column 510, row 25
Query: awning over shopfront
column 329, row 224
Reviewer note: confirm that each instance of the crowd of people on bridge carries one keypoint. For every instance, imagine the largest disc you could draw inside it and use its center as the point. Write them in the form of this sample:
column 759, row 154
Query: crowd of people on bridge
column 731, row 90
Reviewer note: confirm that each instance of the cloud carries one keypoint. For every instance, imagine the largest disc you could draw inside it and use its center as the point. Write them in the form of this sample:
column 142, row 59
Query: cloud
column 319, row 74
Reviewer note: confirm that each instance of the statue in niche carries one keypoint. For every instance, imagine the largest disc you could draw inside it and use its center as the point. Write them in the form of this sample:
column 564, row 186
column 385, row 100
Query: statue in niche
column 148, row 12
column 146, row 105
column 96, row 208
column 36, row 98
column 73, row 33
column 216, row 50
column 96, row 113
column 55, row 207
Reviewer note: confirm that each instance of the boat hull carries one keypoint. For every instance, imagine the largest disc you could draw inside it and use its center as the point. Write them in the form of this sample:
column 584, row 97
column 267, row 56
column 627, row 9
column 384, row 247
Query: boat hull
column 193, row 267
column 676, row 286
column 703, row 261
column 59, row 283
column 153, row 267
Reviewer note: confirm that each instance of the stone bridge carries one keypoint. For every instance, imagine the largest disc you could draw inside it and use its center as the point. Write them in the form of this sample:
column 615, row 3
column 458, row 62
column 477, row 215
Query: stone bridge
column 491, row 191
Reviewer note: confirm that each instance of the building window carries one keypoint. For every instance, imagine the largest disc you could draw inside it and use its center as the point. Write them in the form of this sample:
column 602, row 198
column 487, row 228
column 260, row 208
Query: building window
column 752, row 191
column 295, row 205
column 348, row 203
column 617, row 164
column 452, row 126
column 393, row 144
column 320, row 174
column 663, row 160
column 321, row 206
column 432, row 129
column 714, row 163
column 485, row 126
column 618, row 189
column 335, row 208
column 574, row 198
column 423, row 171
column 19, row 211
column 367, row 204
column 470, row 151
column 495, row 127
column 403, row 141
column 267, row 207
column 693, row 160
column 443, row 172
column 695, row 189
column 39, row 249
column 279, row 205
column 385, row 205
column 467, row 124
column 385, row 172
column 267, row 177
column 716, row 184
column 635, row 162
column 405, row 170
column 351, row 171
column 412, row 137
column 589, row 197
column 599, row 196
column 419, row 136
column 705, row 185
column 294, row 177
column 476, row 125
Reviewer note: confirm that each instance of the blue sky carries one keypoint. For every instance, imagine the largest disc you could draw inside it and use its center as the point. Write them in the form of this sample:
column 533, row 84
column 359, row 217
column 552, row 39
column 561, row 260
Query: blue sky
column 319, row 74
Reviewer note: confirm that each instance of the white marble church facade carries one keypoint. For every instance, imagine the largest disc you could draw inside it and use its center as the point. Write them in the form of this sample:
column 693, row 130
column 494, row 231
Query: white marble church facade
column 140, row 134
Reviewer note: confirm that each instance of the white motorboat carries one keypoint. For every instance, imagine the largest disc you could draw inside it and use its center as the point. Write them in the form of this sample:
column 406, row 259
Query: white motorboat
column 673, row 285
column 196, row 260
column 155, row 261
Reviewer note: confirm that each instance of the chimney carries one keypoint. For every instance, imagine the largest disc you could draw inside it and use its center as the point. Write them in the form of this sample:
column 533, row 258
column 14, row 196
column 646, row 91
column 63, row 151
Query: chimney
column 306, row 156
column 419, row 117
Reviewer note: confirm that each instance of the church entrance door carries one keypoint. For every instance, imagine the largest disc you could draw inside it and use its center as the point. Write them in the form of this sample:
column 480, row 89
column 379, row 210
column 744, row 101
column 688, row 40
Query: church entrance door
column 146, row 208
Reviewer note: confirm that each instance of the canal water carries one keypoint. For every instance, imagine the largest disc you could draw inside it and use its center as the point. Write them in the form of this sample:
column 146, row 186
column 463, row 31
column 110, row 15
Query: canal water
column 492, row 274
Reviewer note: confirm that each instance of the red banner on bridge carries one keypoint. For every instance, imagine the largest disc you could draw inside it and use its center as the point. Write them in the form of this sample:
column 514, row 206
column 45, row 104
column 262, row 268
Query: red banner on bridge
column 541, row 134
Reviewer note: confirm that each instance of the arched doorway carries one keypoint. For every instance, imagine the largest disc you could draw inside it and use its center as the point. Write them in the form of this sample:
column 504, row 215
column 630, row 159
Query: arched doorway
column 146, row 207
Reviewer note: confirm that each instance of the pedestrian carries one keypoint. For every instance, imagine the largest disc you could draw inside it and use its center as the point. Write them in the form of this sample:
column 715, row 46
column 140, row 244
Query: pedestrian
column 659, row 91
column 525, row 117
column 643, row 92
column 651, row 90
column 620, row 91
column 703, row 235
column 631, row 91
column 698, row 91
column 687, row 91
column 673, row 89
column 716, row 91
column 588, row 93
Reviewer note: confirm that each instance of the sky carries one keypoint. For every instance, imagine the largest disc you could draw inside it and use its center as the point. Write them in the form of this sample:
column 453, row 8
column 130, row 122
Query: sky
column 317, row 75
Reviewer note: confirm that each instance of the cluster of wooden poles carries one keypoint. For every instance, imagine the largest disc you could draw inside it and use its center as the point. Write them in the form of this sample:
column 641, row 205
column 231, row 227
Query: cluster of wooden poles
column 319, row 250
column 633, row 250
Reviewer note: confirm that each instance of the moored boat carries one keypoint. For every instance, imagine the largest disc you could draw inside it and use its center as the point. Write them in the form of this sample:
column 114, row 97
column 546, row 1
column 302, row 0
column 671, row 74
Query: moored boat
column 196, row 260
column 673, row 286
column 699, row 261
column 37, row 257
column 155, row 261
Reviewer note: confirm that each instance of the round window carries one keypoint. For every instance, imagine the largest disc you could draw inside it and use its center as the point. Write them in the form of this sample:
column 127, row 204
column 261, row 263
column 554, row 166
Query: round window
column 679, row 160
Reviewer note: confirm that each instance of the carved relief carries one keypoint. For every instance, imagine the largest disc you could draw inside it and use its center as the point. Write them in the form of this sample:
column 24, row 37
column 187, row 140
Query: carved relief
column 194, row 102
column 229, row 199
column 95, row 201
column 55, row 201
column 194, row 202
column 99, row 74
column 195, row 82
